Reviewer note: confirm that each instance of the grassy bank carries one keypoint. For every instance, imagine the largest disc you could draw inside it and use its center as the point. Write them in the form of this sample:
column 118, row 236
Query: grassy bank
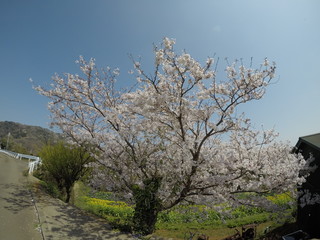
column 181, row 221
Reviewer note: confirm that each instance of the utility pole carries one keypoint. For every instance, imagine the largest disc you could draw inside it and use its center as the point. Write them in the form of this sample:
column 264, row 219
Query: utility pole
column 9, row 134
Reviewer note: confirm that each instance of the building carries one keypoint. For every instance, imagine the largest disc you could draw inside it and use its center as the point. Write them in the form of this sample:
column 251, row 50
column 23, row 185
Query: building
column 308, row 217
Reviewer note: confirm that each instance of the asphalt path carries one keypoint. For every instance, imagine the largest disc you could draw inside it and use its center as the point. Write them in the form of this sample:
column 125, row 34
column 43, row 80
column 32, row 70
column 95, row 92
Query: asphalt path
column 18, row 218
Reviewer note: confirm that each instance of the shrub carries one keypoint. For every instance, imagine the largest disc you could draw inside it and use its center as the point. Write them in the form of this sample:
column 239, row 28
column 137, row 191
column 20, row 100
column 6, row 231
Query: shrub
column 51, row 189
column 63, row 165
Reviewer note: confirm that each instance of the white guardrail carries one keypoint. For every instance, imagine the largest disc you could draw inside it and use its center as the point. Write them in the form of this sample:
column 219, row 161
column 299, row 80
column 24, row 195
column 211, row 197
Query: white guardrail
column 33, row 160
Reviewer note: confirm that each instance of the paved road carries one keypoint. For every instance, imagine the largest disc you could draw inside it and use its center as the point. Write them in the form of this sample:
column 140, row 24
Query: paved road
column 18, row 219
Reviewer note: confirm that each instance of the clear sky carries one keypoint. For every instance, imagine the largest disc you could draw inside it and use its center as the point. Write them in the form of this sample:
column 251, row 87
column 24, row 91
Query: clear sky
column 39, row 38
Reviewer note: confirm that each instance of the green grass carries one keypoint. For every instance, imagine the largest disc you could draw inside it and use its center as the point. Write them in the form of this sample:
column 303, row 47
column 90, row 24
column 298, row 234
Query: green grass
column 214, row 232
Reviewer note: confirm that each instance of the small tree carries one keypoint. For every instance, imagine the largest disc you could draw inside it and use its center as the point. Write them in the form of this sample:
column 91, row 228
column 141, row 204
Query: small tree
column 176, row 136
column 3, row 141
column 65, row 164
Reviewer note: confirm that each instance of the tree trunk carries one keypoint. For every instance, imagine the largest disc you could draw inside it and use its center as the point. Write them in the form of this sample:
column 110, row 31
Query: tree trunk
column 148, row 205
column 68, row 192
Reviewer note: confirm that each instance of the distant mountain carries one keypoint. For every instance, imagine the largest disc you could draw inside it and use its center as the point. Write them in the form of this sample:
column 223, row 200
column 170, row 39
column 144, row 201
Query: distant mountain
column 24, row 138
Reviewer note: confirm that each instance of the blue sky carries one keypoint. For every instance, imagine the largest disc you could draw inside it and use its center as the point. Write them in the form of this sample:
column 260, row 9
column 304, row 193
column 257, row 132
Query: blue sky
column 41, row 37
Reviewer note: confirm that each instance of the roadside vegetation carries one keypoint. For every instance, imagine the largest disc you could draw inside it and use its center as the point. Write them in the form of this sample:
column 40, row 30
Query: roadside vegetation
column 184, row 220
column 62, row 165
column 63, row 175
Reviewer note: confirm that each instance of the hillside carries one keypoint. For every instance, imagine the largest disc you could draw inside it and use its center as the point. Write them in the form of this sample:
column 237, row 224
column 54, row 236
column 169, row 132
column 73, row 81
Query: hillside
column 24, row 138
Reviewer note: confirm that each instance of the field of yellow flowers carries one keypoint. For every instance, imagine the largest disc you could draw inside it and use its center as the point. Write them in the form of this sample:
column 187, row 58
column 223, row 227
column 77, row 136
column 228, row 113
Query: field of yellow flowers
column 181, row 218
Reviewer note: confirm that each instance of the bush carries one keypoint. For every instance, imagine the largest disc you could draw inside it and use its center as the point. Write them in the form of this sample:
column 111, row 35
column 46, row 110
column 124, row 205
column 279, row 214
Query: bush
column 63, row 165
column 51, row 189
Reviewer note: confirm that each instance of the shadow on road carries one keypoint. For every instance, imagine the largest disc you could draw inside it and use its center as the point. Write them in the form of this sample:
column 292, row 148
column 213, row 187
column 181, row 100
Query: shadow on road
column 68, row 222
column 16, row 198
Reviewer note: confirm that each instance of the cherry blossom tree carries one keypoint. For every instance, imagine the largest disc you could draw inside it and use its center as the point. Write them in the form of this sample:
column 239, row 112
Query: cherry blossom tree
column 176, row 135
